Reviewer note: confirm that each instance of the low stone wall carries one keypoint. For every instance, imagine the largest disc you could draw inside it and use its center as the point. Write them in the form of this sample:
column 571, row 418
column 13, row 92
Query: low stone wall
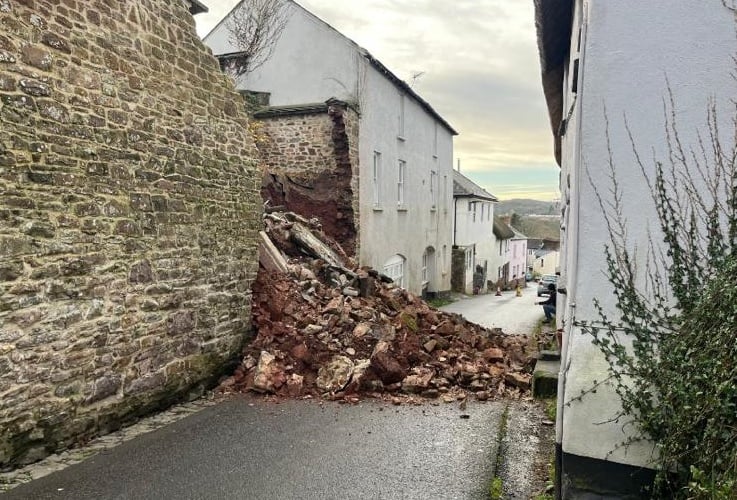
column 129, row 209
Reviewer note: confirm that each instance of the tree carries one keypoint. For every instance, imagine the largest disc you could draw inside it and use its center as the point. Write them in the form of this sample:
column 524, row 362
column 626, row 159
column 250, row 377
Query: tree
column 255, row 27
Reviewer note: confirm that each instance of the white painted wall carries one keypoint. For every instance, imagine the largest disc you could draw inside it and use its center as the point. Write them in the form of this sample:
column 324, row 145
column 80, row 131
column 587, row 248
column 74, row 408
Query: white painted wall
column 500, row 257
column 476, row 230
column 312, row 62
column 628, row 50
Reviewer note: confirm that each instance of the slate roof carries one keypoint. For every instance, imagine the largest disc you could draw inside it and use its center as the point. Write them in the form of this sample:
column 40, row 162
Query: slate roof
column 517, row 233
column 378, row 65
column 463, row 187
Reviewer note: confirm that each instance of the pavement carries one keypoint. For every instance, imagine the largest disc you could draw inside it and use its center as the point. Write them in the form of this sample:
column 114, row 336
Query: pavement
column 248, row 447
column 514, row 315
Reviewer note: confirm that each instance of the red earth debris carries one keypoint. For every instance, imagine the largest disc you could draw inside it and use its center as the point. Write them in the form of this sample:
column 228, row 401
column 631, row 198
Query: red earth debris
column 328, row 329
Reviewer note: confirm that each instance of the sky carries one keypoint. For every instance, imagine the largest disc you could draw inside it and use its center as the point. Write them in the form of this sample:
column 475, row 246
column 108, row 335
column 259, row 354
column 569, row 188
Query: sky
column 480, row 71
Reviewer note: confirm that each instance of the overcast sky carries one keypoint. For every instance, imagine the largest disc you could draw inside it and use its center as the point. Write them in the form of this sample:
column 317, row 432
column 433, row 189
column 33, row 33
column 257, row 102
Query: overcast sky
column 481, row 73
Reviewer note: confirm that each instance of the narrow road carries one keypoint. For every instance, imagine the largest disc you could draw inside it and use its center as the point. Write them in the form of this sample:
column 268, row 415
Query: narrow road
column 250, row 448
column 514, row 315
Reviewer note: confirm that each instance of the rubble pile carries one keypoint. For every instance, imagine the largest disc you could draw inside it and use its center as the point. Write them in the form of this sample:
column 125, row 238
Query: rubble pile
column 326, row 330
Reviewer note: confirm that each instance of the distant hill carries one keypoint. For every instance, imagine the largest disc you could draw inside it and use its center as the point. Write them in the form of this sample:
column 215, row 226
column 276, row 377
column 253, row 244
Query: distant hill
column 526, row 207
column 537, row 227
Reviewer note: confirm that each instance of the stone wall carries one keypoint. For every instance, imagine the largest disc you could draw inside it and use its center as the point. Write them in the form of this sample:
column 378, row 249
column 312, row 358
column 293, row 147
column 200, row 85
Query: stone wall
column 128, row 213
column 458, row 270
column 310, row 156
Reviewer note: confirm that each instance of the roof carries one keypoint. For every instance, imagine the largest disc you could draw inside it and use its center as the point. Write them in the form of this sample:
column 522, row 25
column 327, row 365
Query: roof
column 298, row 109
column 463, row 187
column 517, row 233
column 404, row 86
column 553, row 20
column 197, row 7
column 501, row 230
column 378, row 65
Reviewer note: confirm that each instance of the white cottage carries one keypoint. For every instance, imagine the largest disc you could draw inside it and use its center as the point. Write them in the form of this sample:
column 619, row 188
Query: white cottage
column 403, row 172
column 607, row 68
column 474, row 242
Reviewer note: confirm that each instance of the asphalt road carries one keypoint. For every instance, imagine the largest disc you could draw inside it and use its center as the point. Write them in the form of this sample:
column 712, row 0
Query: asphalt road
column 251, row 449
column 514, row 315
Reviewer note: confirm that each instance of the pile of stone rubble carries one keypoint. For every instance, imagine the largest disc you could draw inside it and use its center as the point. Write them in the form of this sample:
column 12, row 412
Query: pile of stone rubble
column 323, row 329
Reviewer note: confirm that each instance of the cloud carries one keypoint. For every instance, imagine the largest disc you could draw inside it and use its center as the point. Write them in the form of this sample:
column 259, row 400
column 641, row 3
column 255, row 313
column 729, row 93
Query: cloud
column 480, row 71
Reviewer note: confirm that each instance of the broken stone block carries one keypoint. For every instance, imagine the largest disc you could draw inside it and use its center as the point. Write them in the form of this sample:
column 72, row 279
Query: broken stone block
column 268, row 376
column 366, row 286
column 493, row 354
column 335, row 375
column 387, row 368
column 295, row 384
column 430, row 345
column 445, row 328
column 361, row 329
column 419, row 380
column 519, row 380
column 312, row 329
column 350, row 292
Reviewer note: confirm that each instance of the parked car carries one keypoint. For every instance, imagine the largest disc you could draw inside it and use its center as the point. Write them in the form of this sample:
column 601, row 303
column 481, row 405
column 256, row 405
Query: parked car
column 545, row 281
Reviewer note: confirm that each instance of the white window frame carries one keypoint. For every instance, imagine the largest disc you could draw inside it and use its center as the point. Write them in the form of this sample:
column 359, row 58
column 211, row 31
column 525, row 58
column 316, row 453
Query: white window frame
column 434, row 188
column 425, row 279
column 394, row 268
column 401, row 178
column 377, row 179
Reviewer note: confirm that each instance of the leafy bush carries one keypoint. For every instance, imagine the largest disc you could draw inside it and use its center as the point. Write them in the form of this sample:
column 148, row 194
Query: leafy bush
column 672, row 350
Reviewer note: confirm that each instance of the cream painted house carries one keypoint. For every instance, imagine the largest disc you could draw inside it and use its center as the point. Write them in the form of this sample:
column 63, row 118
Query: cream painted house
column 474, row 242
column 403, row 168
column 603, row 63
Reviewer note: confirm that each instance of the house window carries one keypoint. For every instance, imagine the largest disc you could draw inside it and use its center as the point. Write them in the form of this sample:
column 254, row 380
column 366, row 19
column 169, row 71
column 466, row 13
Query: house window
column 473, row 211
column 377, row 179
column 469, row 259
column 394, row 268
column 401, row 174
column 424, row 268
column 445, row 258
column 434, row 188
column 435, row 142
column 400, row 130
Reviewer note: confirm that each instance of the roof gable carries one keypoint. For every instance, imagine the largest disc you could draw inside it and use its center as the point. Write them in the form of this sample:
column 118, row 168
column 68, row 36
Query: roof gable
column 375, row 63
column 463, row 187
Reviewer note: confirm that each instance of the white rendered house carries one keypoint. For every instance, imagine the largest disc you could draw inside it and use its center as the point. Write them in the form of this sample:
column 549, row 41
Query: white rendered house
column 608, row 68
column 403, row 176
column 474, row 242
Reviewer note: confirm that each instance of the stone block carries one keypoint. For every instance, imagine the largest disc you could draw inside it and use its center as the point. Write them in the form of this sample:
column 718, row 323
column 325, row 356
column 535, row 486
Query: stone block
column 545, row 379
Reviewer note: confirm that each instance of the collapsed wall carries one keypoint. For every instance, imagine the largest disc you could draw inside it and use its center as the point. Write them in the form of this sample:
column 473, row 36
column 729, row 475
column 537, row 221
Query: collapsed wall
column 129, row 210
column 310, row 155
